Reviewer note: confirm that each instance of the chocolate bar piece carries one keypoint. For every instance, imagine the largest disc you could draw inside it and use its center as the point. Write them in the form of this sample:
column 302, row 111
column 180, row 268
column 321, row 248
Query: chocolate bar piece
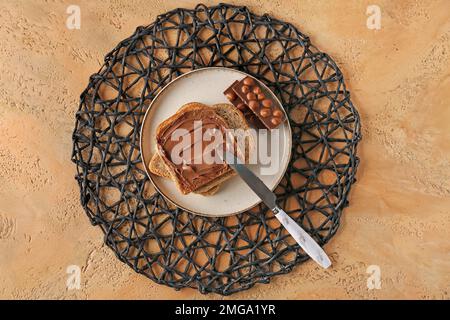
column 238, row 103
column 262, row 105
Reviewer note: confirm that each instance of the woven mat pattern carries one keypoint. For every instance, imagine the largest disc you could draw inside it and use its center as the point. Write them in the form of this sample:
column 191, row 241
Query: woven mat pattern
column 176, row 248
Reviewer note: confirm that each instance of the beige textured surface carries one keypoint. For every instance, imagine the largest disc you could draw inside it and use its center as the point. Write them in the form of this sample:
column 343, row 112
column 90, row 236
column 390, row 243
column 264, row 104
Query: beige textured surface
column 399, row 217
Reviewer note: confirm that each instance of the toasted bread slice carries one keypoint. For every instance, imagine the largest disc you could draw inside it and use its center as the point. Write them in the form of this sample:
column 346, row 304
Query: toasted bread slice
column 194, row 111
column 235, row 120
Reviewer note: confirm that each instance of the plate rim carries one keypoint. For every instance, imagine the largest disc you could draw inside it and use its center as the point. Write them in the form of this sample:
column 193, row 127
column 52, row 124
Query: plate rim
column 149, row 174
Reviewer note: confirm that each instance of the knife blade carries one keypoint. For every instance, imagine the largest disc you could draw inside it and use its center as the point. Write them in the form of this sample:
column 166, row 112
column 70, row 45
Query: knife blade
column 305, row 241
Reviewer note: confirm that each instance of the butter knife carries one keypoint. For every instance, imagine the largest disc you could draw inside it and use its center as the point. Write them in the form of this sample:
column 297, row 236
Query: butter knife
column 305, row 241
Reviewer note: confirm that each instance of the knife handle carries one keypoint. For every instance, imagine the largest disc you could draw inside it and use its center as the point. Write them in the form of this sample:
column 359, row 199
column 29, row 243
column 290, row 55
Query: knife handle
column 305, row 241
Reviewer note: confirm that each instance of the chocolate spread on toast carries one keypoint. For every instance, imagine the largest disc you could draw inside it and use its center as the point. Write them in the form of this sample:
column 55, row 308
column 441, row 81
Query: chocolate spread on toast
column 184, row 144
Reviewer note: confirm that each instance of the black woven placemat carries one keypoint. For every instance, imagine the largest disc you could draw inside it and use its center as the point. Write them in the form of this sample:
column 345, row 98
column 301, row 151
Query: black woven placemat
column 173, row 247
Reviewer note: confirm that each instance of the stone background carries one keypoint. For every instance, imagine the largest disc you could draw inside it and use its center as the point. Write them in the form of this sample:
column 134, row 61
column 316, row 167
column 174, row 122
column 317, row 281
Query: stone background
column 399, row 214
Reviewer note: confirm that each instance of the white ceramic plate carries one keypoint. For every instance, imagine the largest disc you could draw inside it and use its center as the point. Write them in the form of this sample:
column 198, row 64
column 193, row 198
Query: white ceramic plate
column 207, row 86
